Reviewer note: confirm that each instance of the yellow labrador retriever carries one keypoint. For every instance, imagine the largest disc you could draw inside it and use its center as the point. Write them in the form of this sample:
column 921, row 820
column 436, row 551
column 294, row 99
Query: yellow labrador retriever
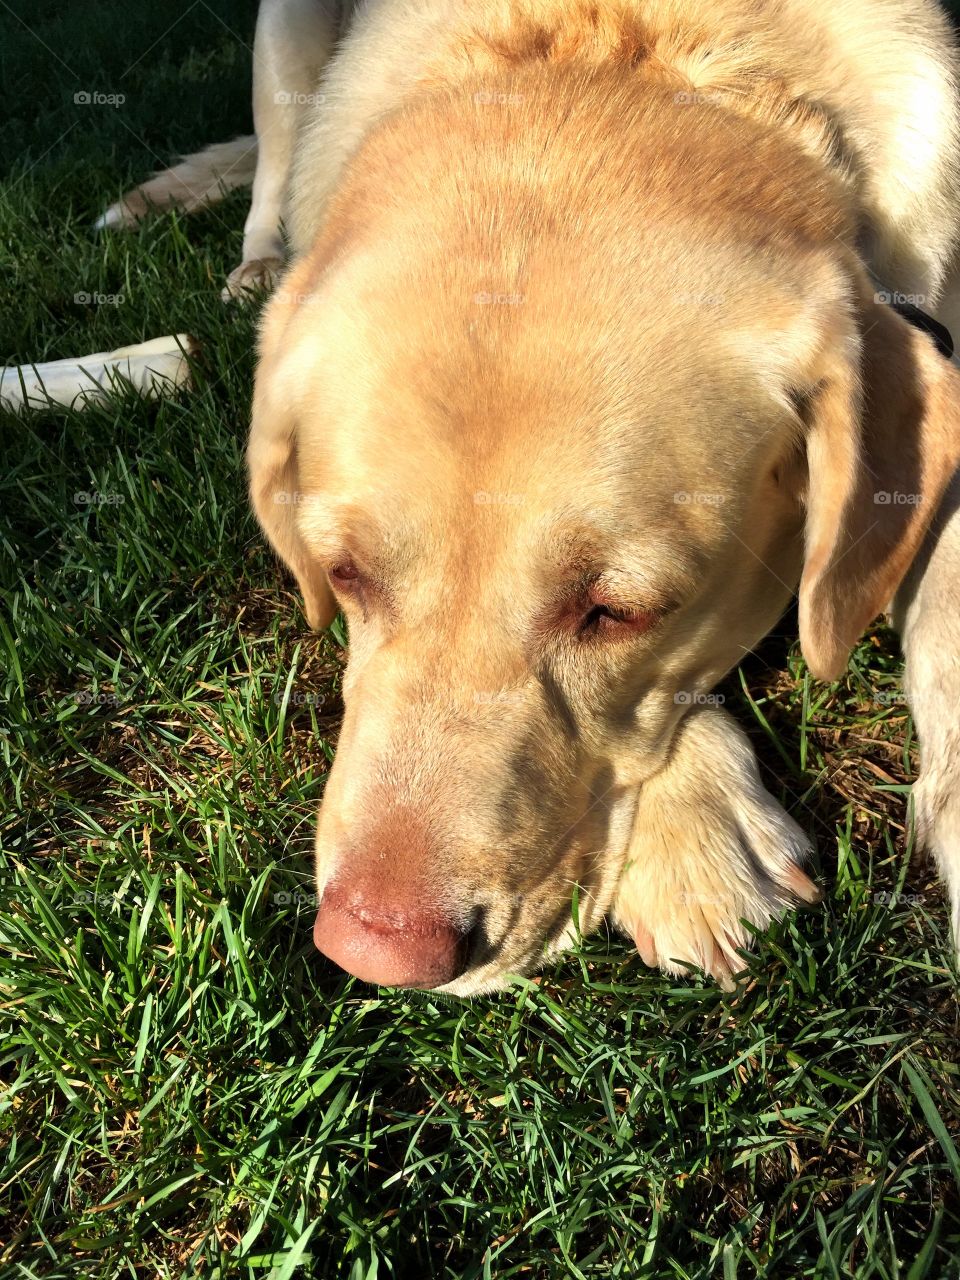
column 584, row 365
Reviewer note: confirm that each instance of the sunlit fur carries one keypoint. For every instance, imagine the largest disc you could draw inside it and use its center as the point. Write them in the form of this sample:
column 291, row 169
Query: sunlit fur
column 581, row 288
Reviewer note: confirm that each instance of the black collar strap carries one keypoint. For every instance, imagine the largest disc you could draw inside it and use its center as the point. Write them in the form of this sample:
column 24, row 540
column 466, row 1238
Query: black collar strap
column 920, row 320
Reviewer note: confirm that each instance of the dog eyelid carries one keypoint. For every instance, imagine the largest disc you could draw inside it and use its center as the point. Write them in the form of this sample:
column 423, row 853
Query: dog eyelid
column 612, row 620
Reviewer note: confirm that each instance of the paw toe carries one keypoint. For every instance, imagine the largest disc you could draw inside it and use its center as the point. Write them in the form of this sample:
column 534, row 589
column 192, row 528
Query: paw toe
column 254, row 276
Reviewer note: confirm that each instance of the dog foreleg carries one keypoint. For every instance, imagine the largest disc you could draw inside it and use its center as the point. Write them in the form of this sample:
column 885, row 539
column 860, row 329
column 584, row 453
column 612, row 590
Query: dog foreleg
column 926, row 612
column 294, row 40
column 710, row 847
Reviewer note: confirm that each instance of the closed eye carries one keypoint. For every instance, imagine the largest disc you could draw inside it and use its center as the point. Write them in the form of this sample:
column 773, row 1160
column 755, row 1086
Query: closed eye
column 344, row 574
column 359, row 589
column 350, row 582
column 610, row 622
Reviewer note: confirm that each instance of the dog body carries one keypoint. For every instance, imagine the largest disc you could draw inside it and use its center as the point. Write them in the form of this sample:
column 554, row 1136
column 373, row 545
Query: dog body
column 868, row 89
column 578, row 372
column 871, row 86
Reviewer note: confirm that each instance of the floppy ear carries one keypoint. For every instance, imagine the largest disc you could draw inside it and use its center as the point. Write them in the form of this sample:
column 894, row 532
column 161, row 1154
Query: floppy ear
column 883, row 443
column 272, row 462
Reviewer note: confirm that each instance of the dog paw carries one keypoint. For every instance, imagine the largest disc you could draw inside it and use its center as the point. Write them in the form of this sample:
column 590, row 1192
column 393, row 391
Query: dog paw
column 256, row 275
column 936, row 813
column 710, row 848
column 124, row 215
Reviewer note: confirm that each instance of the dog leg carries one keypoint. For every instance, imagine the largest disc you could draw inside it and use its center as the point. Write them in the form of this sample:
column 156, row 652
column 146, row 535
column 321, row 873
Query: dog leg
column 196, row 182
column 710, row 847
column 926, row 612
column 293, row 42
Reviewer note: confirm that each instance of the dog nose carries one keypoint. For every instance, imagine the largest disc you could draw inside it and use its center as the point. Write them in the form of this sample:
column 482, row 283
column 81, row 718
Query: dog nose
column 390, row 940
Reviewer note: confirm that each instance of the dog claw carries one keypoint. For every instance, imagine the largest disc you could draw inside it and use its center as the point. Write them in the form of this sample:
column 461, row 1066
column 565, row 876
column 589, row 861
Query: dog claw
column 721, row 970
column 646, row 946
column 801, row 886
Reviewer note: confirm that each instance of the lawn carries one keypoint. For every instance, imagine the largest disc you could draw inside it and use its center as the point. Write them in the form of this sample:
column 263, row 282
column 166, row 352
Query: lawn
column 188, row 1088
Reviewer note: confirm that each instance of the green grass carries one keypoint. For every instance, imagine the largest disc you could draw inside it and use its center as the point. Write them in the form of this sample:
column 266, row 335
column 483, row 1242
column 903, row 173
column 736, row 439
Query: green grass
column 189, row 1089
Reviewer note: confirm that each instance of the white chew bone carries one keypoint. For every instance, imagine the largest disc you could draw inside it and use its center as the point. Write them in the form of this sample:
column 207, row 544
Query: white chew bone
column 153, row 368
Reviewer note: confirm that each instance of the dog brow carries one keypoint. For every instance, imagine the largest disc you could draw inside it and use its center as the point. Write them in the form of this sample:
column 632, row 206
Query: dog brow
column 653, row 568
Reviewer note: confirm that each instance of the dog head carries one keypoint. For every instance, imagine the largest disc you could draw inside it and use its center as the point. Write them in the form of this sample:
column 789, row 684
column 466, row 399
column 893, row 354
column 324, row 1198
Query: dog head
column 562, row 443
